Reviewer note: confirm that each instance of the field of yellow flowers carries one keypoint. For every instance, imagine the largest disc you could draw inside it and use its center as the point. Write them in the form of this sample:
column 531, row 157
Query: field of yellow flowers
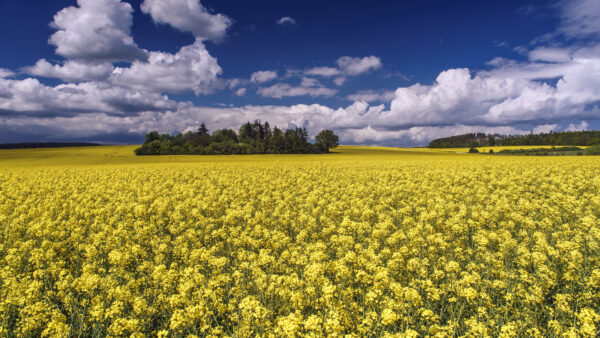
column 363, row 242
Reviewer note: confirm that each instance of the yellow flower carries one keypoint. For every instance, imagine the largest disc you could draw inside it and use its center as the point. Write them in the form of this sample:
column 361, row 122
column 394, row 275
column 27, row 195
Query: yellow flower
column 388, row 317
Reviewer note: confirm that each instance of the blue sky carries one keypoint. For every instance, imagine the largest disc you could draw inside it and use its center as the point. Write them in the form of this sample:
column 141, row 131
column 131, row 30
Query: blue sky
column 396, row 73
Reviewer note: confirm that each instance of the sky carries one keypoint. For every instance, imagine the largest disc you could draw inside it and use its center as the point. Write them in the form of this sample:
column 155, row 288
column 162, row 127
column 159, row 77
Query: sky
column 391, row 73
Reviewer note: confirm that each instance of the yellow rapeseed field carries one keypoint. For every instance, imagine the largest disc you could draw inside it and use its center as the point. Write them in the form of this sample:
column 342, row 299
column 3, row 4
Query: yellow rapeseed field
column 362, row 242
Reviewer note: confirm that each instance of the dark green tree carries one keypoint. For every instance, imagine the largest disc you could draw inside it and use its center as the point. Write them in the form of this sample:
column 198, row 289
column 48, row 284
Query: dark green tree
column 151, row 136
column 202, row 130
column 252, row 138
column 225, row 135
column 246, row 133
column 326, row 140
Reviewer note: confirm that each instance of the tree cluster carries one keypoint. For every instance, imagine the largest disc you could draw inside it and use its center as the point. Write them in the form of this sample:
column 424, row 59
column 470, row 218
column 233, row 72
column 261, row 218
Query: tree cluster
column 543, row 151
column 251, row 138
column 569, row 138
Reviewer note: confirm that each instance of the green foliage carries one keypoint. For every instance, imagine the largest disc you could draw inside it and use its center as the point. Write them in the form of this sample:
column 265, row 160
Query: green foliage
column 539, row 151
column 326, row 140
column 251, row 138
column 571, row 138
column 202, row 130
column 151, row 136
column 595, row 150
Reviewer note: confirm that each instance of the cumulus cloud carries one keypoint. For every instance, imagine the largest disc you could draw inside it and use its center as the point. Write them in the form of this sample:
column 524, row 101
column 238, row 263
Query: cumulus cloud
column 286, row 20
column 347, row 66
column 263, row 76
column 553, row 85
column 32, row 107
column 188, row 16
column 71, row 71
column 96, row 30
column 29, row 97
column 182, row 117
column 351, row 66
column 191, row 68
column 6, row 73
column 508, row 94
column 457, row 102
column 578, row 127
column 419, row 136
column 546, row 128
column 97, row 33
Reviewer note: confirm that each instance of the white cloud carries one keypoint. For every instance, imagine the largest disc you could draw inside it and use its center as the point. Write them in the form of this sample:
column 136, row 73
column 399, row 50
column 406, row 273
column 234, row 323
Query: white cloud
column 97, row 30
column 419, row 136
column 546, row 128
column 323, row 71
column 549, row 54
column 555, row 84
column 96, row 33
column 191, row 68
column 525, row 70
column 578, row 127
column 580, row 18
column 308, row 87
column 508, row 94
column 189, row 16
column 351, row 66
column 286, row 20
column 346, row 67
column 4, row 73
column 233, row 83
column 281, row 90
column 72, row 109
column 71, row 71
column 373, row 96
column 29, row 97
column 263, row 76
column 339, row 81
column 310, row 82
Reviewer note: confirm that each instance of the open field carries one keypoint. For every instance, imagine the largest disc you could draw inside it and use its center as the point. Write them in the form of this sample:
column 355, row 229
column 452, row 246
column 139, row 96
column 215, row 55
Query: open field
column 487, row 149
column 365, row 241
column 123, row 155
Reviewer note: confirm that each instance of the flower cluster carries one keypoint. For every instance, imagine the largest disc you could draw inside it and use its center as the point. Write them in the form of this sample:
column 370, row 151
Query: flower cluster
column 404, row 243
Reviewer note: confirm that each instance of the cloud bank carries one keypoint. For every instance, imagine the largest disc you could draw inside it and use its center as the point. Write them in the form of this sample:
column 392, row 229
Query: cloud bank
column 556, row 87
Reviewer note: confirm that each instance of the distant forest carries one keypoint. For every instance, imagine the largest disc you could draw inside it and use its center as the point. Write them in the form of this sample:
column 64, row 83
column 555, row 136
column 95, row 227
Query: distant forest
column 251, row 138
column 45, row 145
column 568, row 138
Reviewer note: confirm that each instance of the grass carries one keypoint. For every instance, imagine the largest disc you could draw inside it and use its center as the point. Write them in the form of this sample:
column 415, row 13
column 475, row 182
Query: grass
column 123, row 155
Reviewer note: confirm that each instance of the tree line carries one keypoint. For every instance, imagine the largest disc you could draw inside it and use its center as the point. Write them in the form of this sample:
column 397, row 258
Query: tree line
column 568, row 138
column 251, row 138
